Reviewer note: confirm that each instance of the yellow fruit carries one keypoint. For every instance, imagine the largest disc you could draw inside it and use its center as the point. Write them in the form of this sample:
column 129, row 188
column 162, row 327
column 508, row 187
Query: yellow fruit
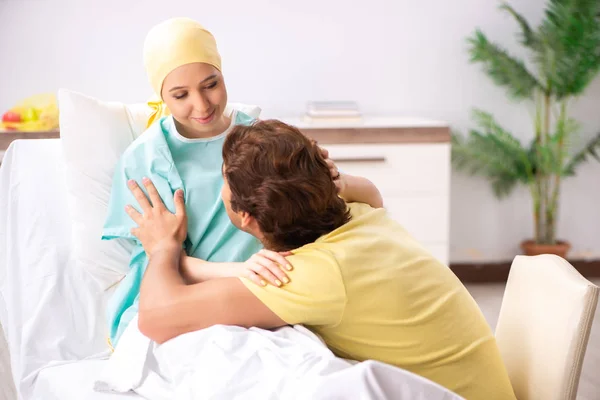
column 30, row 114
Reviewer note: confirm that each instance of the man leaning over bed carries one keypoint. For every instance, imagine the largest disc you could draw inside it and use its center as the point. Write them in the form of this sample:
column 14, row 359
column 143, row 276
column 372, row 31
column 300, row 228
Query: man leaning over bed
column 360, row 281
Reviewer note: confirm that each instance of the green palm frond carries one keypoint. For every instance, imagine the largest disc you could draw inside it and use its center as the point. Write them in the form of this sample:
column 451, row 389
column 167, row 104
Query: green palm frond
column 513, row 146
column 591, row 149
column 494, row 153
column 479, row 155
column 555, row 151
column 528, row 36
column 504, row 70
column 565, row 129
column 543, row 157
column 503, row 185
column 569, row 57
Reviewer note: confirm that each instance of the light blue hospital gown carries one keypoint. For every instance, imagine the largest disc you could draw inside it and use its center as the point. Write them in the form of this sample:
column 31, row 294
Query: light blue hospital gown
column 173, row 162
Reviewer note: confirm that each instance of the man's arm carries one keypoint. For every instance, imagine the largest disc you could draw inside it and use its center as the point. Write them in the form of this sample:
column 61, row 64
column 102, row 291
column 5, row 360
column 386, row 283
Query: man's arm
column 169, row 307
column 359, row 189
column 353, row 188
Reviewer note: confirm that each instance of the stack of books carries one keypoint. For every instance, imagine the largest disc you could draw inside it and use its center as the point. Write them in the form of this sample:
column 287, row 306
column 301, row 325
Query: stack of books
column 332, row 111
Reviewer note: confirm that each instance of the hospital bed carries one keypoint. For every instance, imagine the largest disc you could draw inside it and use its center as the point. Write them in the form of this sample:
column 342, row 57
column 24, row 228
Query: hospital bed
column 53, row 336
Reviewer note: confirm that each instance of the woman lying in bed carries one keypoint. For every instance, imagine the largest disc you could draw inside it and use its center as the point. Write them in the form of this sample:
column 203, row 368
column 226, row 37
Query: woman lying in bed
column 182, row 149
column 360, row 280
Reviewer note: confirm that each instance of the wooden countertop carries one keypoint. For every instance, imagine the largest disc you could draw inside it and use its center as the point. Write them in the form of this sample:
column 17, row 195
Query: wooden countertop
column 374, row 130
column 367, row 130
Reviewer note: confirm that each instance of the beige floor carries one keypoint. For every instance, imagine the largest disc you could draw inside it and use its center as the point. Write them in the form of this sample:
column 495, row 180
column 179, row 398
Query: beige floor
column 489, row 298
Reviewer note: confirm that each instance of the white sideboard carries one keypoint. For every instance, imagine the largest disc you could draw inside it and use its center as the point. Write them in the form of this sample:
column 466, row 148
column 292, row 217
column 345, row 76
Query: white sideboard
column 408, row 159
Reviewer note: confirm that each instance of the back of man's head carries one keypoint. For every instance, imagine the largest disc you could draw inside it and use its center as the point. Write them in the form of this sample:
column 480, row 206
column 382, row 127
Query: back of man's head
column 280, row 178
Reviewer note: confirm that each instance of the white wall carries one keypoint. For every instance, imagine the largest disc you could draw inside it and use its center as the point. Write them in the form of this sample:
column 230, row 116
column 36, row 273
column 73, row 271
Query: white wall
column 400, row 57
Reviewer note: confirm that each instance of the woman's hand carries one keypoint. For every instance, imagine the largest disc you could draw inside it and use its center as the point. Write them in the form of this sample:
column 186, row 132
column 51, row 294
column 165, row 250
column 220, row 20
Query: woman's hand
column 266, row 266
column 157, row 226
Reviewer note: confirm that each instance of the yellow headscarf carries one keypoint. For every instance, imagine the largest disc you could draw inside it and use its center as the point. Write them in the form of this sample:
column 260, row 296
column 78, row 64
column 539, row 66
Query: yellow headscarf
column 171, row 44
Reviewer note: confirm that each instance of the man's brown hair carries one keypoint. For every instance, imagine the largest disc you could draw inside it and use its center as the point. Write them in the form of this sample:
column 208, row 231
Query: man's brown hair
column 279, row 176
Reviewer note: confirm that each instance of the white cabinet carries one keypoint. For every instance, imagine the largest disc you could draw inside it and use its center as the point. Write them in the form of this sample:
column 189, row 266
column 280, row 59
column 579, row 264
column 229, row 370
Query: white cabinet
column 408, row 159
column 414, row 180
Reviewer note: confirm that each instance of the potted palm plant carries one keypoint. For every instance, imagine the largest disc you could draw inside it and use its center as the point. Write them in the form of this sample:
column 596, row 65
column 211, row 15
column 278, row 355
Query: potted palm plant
column 564, row 57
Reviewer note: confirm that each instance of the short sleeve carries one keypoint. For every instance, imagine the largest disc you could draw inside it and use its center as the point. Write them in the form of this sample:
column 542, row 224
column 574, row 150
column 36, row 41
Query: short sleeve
column 148, row 158
column 315, row 296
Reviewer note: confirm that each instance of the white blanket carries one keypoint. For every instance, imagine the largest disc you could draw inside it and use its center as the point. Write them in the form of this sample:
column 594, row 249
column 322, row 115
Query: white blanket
column 226, row 362
column 51, row 313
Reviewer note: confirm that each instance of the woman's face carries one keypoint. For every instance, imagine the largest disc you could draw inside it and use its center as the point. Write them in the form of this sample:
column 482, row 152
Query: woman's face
column 196, row 96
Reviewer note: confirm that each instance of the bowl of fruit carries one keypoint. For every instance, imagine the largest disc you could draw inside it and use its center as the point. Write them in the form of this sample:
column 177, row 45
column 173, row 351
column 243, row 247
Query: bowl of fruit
column 34, row 114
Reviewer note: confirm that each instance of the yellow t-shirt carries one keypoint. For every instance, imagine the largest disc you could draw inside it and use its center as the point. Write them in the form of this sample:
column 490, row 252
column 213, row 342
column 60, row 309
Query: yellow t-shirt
column 372, row 292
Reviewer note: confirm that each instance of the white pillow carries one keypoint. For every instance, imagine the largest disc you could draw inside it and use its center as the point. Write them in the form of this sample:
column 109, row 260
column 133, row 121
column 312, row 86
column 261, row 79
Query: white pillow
column 94, row 134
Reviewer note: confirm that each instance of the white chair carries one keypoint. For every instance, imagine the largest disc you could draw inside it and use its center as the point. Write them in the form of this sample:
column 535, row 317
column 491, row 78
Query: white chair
column 544, row 326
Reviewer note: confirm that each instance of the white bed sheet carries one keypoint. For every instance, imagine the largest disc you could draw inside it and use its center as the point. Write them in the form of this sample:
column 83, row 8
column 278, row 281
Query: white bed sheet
column 51, row 312
column 74, row 381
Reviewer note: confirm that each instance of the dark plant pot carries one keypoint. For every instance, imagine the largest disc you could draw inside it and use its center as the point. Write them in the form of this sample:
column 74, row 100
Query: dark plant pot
column 531, row 248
